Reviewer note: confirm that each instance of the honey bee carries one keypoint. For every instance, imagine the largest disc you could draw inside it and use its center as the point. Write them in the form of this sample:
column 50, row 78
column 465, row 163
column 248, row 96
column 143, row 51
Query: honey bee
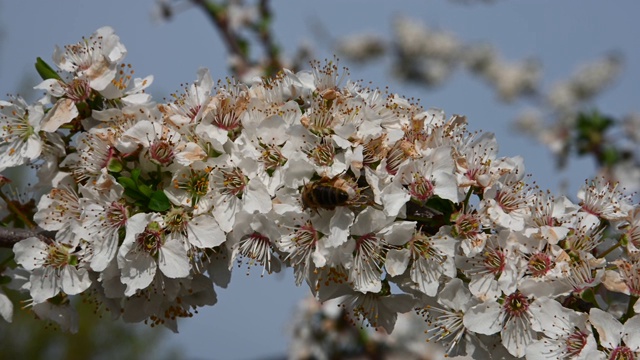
column 329, row 193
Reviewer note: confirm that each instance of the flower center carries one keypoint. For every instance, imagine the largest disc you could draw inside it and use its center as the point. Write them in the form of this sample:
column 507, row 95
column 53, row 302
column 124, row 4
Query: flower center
column 516, row 305
column 196, row 184
column 150, row 240
column 161, row 152
column 322, row 154
column 508, row 201
column 234, row 182
column 117, row 214
column 374, row 150
column 622, row 353
column 319, row 122
column 58, row 256
column 176, row 220
column 272, row 157
column 539, row 264
column 466, row 226
column 306, row 235
column 575, row 342
column 421, row 247
column 401, row 151
column 421, row 189
column 494, row 261
column 77, row 90
column 227, row 115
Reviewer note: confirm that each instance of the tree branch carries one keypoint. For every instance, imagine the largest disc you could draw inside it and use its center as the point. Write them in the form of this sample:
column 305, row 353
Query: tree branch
column 10, row 236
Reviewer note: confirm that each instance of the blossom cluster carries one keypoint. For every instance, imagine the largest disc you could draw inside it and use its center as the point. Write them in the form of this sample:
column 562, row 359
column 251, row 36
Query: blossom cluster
column 373, row 201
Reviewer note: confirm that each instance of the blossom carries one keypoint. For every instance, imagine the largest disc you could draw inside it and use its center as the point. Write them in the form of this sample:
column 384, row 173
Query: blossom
column 64, row 110
column 378, row 309
column 54, row 267
column 371, row 230
column 507, row 202
column 63, row 314
column 446, row 319
column 161, row 145
column 302, row 241
column 146, row 249
column 548, row 215
column 495, row 270
column 427, row 257
column 19, row 131
column 235, row 189
column 619, row 340
column 432, row 175
column 104, row 214
column 93, row 59
column 190, row 107
column 601, row 198
column 360, row 191
column 477, row 161
column 567, row 333
column 513, row 319
column 255, row 241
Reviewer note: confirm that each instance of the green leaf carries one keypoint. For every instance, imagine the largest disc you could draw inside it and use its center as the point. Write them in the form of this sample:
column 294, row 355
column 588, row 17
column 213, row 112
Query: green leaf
column 589, row 296
column 131, row 189
column 115, row 165
column 159, row 201
column 145, row 189
column 135, row 174
column 443, row 206
column 135, row 194
column 46, row 72
column 243, row 44
column 127, row 183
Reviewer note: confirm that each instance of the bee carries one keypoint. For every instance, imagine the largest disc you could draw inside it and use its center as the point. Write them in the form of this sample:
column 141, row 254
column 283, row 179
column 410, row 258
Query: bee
column 329, row 193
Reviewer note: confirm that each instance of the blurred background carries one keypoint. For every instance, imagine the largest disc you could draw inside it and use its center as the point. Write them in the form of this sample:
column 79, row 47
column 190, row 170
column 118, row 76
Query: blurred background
column 523, row 70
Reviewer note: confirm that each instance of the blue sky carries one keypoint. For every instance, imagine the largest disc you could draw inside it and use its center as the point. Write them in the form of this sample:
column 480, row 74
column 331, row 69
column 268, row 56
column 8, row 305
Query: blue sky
column 251, row 315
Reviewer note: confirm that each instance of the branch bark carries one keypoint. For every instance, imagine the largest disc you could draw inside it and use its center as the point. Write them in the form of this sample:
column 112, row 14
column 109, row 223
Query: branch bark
column 10, row 236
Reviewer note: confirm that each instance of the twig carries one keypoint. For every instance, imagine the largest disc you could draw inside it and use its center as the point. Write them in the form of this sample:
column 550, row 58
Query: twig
column 10, row 236
column 218, row 16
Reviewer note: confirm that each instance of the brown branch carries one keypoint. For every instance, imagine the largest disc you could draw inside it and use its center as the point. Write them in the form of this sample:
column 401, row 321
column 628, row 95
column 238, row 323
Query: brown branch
column 11, row 236
column 237, row 45
column 217, row 15
column 272, row 50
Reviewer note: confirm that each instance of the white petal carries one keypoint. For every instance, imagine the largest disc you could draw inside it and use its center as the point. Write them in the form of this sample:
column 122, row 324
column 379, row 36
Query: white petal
column 30, row 253
column 75, row 281
column 455, row 295
column 137, row 271
column 173, row 260
column 256, row 198
column 516, row 336
column 607, row 326
column 449, row 190
column 225, row 210
column 394, row 198
column 44, row 284
column 104, row 250
column 631, row 331
column 386, row 318
column 483, row 318
column 397, row 261
column 369, row 220
column 62, row 113
column 6, row 307
column 136, row 99
column 204, row 232
column 51, row 86
column 340, row 223
column 399, row 233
